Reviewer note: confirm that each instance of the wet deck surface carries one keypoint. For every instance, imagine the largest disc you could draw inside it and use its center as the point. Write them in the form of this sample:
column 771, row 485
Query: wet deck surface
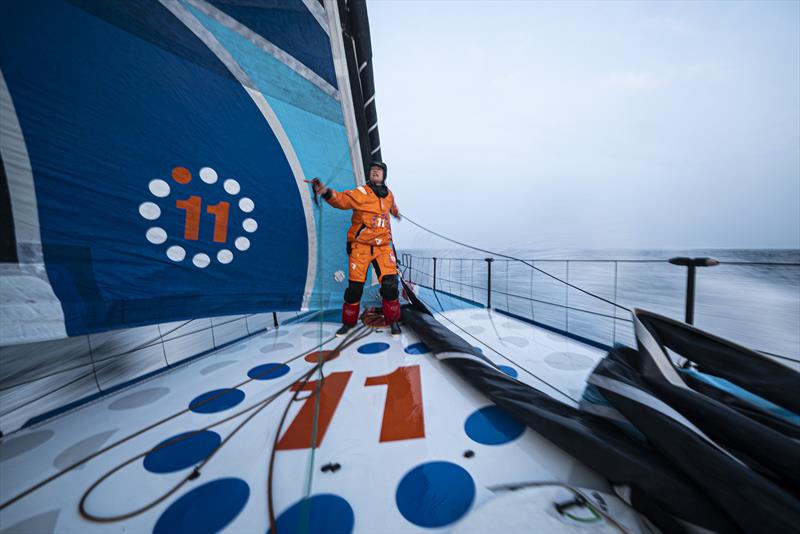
column 416, row 447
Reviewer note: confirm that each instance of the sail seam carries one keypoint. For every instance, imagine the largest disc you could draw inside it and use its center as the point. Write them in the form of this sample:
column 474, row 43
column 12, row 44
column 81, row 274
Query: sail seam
column 266, row 46
column 318, row 12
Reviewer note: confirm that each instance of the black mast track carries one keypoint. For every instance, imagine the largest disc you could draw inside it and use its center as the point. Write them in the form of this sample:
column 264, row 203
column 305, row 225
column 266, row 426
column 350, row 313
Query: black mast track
column 358, row 54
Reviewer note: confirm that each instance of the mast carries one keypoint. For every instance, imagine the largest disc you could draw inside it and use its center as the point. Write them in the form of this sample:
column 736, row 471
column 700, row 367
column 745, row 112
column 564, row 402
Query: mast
column 352, row 50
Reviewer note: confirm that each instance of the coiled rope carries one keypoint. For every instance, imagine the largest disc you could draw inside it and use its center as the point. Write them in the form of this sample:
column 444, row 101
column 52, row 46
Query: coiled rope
column 147, row 428
column 255, row 409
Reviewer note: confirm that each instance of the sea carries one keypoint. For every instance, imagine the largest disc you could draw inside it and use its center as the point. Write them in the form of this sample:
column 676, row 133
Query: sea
column 752, row 297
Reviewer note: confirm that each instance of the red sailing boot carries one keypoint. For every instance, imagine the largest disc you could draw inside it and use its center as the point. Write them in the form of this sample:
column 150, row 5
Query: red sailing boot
column 391, row 314
column 349, row 318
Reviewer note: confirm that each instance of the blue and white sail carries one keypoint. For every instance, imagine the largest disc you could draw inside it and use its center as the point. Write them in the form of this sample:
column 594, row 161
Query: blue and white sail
column 155, row 154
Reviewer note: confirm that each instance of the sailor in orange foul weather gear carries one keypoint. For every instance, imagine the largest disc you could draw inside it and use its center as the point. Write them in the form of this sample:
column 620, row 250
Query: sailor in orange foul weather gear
column 369, row 241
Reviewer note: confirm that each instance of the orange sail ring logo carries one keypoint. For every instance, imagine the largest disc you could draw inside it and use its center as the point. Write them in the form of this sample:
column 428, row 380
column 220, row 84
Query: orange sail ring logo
column 195, row 209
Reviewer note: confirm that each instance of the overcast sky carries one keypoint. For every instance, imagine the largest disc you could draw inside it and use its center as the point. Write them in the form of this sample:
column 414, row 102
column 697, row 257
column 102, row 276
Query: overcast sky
column 592, row 125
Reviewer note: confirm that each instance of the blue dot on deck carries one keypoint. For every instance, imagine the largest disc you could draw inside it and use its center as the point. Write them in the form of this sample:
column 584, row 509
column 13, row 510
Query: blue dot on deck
column 206, row 509
column 319, row 514
column 435, row 494
column 417, row 348
column 478, row 349
column 373, row 348
column 268, row 371
column 222, row 400
column 181, row 453
column 492, row 426
column 510, row 371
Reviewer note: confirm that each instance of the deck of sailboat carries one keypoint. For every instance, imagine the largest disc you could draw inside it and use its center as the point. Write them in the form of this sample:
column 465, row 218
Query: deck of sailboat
column 377, row 451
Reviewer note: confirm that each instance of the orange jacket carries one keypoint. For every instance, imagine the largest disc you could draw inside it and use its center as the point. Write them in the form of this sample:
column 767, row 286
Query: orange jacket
column 370, row 222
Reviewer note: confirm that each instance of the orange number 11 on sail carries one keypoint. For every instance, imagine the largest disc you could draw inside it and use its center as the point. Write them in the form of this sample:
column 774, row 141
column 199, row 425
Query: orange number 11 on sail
column 191, row 225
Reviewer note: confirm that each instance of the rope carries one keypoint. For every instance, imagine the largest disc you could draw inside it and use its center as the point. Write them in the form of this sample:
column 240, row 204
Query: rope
column 351, row 338
column 139, row 432
column 255, row 409
column 354, row 336
column 437, row 234
column 315, row 420
column 587, row 502
column 787, row 358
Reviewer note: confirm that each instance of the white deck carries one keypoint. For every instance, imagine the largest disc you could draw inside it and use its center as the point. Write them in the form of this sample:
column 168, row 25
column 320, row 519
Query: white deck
column 371, row 471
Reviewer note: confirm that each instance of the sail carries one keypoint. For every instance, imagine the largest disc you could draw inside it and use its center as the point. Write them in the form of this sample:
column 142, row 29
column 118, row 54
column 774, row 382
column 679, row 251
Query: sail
column 154, row 155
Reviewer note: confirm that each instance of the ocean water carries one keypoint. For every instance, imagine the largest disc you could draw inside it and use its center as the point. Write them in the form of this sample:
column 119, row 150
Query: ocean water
column 755, row 305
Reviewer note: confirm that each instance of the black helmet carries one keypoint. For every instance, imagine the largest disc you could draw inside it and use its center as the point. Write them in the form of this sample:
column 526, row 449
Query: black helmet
column 378, row 163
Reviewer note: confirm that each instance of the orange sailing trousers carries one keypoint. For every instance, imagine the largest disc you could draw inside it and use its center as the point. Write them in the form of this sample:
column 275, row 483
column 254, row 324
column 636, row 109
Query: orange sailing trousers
column 362, row 256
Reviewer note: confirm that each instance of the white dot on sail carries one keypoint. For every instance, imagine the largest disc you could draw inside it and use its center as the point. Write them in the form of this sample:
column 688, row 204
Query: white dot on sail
column 159, row 188
column 176, row 253
column 224, row 256
column 156, row 235
column 231, row 186
column 149, row 211
column 242, row 243
column 201, row 260
column 246, row 204
column 208, row 175
column 250, row 225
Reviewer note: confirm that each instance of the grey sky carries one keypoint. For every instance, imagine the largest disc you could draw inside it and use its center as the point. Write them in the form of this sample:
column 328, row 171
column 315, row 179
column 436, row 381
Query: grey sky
column 592, row 125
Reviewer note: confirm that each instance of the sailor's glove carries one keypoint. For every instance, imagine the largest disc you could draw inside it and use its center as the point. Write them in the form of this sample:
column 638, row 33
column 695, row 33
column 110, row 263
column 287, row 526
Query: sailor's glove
column 318, row 186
